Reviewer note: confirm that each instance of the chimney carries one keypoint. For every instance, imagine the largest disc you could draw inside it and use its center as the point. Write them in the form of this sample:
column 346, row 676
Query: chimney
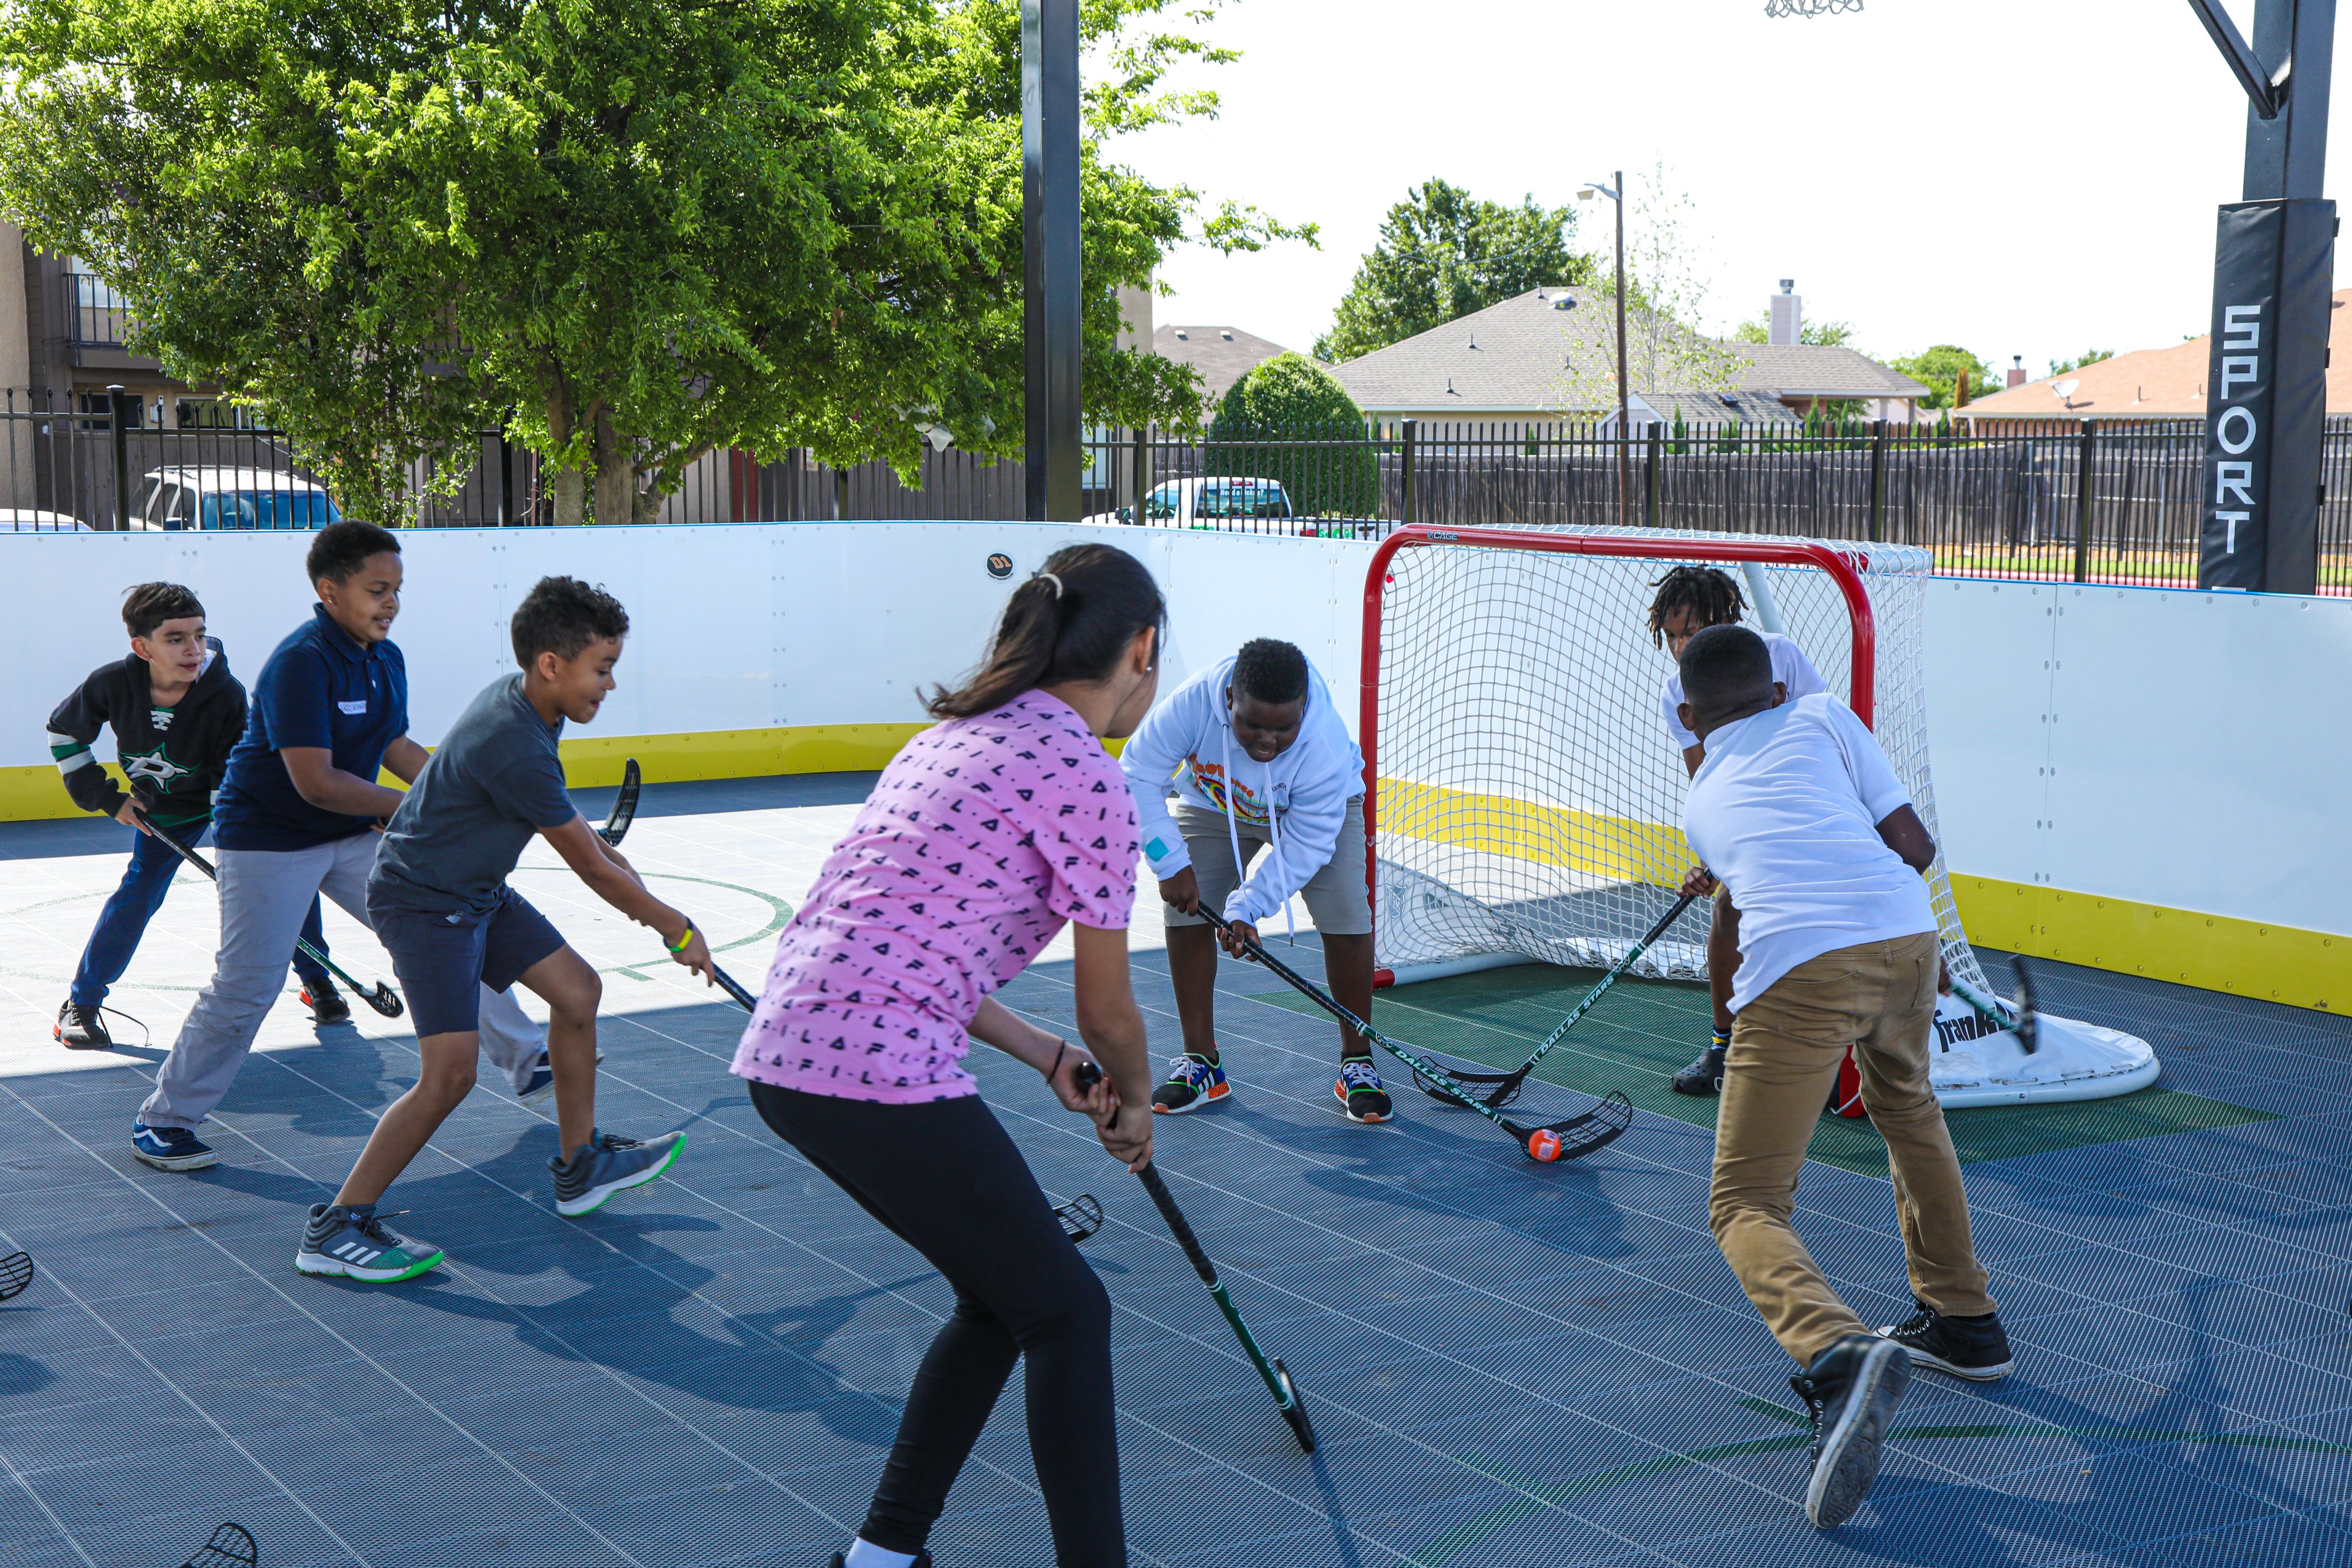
column 2017, row 370
column 1788, row 314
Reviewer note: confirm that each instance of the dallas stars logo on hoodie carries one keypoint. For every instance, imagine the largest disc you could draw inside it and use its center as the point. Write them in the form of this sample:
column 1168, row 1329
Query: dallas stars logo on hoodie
column 153, row 768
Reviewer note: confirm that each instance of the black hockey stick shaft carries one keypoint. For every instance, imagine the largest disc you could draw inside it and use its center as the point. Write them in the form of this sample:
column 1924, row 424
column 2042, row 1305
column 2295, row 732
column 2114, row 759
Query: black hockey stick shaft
column 384, row 998
column 1086, row 1075
column 1616, row 972
column 1322, row 999
column 624, row 805
column 742, row 998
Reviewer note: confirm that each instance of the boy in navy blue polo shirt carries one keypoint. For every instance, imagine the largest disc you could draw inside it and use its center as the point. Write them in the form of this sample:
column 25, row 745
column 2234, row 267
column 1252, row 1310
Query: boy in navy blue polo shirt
column 293, row 818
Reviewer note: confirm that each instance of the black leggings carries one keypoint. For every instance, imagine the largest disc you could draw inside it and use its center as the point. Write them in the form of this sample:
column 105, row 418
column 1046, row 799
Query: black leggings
column 946, row 1180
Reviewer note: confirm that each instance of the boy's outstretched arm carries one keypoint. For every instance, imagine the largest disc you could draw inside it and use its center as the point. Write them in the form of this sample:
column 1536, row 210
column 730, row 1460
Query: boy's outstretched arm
column 1902, row 831
column 613, row 880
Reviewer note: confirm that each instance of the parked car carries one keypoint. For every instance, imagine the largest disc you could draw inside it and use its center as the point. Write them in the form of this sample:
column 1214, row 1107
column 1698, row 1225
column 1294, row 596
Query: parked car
column 209, row 498
column 1206, row 502
column 28, row 520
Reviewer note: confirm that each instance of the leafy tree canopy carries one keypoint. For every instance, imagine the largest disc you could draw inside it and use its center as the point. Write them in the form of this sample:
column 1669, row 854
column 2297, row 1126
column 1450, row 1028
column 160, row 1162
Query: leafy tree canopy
column 634, row 230
column 1938, row 370
column 1758, row 328
column 1291, row 395
column 1442, row 255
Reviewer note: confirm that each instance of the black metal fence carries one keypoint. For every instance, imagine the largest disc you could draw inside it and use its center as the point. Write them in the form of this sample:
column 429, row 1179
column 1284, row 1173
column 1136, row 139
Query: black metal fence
column 2076, row 500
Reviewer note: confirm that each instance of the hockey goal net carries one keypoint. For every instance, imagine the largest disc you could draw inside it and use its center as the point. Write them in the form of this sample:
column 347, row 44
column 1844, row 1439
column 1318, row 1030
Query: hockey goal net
column 1526, row 797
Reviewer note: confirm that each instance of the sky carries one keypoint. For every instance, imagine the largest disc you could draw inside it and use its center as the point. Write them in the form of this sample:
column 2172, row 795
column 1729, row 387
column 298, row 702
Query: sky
column 2032, row 177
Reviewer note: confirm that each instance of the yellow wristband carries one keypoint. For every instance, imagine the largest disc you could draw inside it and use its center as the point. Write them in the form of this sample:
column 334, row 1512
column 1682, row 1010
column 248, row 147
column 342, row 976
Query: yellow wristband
column 684, row 937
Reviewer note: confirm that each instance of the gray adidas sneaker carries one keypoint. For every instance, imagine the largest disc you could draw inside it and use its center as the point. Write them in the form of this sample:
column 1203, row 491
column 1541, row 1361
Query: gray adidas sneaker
column 360, row 1246
column 608, row 1164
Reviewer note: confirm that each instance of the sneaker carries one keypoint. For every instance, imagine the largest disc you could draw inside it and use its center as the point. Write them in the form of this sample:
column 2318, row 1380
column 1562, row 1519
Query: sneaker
column 170, row 1148
column 1360, row 1090
column 1850, row 1393
column 540, row 1085
column 922, row 1560
column 1192, row 1081
column 1704, row 1076
column 612, row 1163
column 360, row 1246
column 81, row 1028
column 1973, row 1348
column 326, row 1004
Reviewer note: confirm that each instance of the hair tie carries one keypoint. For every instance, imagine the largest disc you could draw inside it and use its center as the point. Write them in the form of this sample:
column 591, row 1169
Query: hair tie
column 1056, row 581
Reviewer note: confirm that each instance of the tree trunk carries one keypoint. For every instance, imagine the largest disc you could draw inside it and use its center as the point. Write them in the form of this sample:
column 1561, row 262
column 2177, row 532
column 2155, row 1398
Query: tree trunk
column 571, row 484
column 616, row 474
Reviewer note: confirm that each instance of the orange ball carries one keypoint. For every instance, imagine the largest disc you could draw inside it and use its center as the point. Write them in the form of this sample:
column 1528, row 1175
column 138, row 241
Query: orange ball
column 1543, row 1145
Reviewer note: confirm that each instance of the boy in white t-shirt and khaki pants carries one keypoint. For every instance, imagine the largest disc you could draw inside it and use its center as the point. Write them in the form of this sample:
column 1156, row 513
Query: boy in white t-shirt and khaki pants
column 1798, row 811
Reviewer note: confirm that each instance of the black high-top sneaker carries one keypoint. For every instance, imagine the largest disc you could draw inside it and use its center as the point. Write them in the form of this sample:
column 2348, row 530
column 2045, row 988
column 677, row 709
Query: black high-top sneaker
column 1850, row 1393
column 1973, row 1348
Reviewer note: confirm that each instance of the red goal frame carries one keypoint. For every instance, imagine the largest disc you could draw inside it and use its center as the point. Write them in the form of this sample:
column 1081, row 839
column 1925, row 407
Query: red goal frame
column 1771, row 552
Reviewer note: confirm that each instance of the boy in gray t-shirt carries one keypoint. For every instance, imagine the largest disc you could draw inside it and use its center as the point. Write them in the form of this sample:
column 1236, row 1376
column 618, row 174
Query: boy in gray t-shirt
column 440, row 905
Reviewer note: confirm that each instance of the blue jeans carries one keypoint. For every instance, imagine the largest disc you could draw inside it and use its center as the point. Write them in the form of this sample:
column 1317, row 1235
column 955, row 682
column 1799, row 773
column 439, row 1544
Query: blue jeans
column 124, row 919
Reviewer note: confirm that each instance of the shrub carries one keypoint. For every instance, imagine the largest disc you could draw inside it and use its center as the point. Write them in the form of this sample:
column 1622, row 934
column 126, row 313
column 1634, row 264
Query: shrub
column 1265, row 422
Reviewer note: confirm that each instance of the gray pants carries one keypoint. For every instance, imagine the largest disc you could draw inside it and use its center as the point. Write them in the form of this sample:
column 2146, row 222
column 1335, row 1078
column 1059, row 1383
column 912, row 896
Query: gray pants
column 263, row 893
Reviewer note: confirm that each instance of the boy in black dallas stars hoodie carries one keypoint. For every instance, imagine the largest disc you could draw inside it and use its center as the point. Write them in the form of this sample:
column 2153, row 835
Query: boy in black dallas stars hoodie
column 176, row 711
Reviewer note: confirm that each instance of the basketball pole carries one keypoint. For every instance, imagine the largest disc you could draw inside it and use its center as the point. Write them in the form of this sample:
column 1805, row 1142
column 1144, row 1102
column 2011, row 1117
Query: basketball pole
column 2266, row 402
column 1051, row 313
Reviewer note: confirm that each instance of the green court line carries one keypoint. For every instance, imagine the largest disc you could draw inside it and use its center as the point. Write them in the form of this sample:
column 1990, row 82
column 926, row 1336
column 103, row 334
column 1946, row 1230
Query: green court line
column 1645, row 1031
column 1538, row 1496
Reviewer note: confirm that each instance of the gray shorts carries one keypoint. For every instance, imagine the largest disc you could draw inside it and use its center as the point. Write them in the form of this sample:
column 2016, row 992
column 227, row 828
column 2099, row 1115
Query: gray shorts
column 441, row 960
column 1336, row 898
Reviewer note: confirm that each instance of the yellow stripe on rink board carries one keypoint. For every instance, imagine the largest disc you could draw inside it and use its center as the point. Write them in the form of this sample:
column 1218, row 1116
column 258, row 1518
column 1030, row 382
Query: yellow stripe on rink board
column 34, row 794
column 1620, row 848
column 2282, row 964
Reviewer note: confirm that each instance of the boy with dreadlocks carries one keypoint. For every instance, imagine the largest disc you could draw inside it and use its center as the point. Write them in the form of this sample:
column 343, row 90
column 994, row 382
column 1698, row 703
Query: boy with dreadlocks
column 1689, row 600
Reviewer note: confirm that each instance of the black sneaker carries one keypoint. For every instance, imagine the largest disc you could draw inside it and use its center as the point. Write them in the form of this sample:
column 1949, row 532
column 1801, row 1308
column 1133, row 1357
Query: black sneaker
column 81, row 1028
column 922, row 1560
column 1973, row 1348
column 1704, row 1076
column 1850, row 1394
column 326, row 1004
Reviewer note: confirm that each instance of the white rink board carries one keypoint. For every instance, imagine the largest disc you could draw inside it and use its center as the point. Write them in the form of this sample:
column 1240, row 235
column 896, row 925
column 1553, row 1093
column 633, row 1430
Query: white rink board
column 2200, row 741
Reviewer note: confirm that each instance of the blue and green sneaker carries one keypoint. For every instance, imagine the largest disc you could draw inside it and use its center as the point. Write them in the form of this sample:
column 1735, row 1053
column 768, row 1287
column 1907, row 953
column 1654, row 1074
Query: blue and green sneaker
column 611, row 1164
column 1192, row 1081
column 1360, row 1091
column 358, row 1245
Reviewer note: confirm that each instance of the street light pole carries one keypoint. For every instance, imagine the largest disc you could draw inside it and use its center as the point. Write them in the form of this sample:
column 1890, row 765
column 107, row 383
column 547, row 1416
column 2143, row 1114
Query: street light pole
column 1624, row 428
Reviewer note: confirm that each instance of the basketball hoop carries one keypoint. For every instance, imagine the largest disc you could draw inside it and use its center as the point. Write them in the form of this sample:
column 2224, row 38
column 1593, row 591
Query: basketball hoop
column 1809, row 7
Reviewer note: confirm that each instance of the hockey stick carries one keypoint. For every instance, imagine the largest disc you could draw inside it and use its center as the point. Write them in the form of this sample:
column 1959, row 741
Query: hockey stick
column 1563, row 1140
column 1506, row 1085
column 1278, row 1381
column 1080, row 1218
column 230, row 1547
column 384, row 998
column 15, row 1273
column 741, row 998
column 624, row 806
column 2017, row 1019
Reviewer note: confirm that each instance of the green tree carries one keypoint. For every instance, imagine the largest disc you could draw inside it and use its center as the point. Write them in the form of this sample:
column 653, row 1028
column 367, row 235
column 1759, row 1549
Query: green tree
column 1291, row 396
column 1442, row 255
column 1938, row 370
column 2088, row 357
column 1758, row 328
column 1665, row 284
column 635, row 231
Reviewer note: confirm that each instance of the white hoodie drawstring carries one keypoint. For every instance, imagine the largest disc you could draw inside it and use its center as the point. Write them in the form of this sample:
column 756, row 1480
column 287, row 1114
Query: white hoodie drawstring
column 1273, row 822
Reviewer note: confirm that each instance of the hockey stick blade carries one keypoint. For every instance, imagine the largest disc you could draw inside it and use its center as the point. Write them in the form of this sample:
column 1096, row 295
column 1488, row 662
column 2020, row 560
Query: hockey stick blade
column 2028, row 1026
column 15, row 1273
column 1080, row 1218
column 1294, row 1408
column 624, row 806
column 1499, row 1089
column 1569, row 1139
column 384, row 999
column 231, row 1546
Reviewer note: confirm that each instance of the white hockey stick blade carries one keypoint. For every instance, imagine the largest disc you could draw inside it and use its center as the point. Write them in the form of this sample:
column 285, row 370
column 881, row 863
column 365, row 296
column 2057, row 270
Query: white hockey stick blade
column 1972, row 1064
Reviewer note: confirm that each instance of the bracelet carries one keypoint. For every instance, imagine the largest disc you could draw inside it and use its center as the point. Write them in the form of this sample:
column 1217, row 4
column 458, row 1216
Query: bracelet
column 1061, row 1050
column 684, row 937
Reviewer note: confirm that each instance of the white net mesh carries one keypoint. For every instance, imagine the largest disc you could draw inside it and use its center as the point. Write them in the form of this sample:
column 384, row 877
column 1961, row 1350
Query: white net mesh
column 1530, row 799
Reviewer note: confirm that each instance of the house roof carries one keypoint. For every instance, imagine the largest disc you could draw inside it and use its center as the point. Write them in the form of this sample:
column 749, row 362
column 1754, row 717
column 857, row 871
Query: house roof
column 1222, row 355
column 1528, row 355
column 2151, row 383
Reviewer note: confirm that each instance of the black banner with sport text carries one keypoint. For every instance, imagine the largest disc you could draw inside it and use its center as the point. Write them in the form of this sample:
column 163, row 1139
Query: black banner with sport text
column 2266, row 396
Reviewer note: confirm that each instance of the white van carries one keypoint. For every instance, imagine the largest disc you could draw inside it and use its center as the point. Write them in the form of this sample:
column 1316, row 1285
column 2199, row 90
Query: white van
column 210, row 499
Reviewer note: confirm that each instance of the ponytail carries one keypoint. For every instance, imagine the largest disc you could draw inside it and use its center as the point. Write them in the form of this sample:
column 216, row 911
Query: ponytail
column 1070, row 622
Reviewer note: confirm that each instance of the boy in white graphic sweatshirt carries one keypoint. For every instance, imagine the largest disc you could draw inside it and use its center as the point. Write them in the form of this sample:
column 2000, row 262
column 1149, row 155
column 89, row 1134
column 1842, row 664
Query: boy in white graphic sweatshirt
column 1258, row 758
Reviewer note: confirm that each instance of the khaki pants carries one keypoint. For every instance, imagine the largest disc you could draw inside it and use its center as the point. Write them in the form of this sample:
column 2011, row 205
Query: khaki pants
column 1786, row 1045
